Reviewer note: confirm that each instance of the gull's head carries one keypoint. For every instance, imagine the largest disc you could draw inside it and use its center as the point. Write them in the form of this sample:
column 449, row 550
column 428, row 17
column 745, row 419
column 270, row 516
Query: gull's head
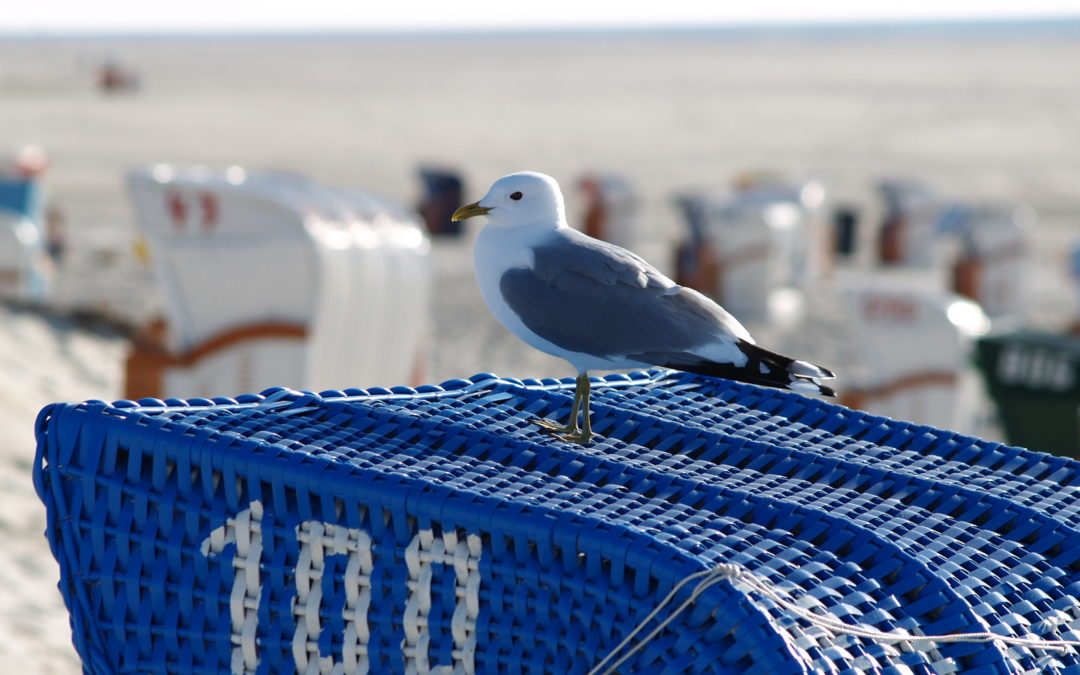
column 525, row 198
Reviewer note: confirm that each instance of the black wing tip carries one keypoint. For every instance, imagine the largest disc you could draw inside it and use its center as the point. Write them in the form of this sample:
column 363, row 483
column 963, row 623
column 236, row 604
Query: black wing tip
column 752, row 375
column 761, row 367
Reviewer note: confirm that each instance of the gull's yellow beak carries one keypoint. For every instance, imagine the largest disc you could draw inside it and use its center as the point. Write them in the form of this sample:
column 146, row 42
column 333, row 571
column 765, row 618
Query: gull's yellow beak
column 470, row 210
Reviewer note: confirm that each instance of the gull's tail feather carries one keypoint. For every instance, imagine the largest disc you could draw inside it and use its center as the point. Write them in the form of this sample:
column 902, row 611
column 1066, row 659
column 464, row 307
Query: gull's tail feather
column 762, row 367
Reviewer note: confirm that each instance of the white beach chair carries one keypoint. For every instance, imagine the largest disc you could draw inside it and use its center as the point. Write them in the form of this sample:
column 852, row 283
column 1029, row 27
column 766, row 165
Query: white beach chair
column 913, row 346
column 746, row 245
column 271, row 279
column 993, row 264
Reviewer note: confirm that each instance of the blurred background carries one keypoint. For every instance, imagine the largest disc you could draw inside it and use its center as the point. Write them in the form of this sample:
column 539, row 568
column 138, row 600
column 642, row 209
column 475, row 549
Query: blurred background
column 201, row 200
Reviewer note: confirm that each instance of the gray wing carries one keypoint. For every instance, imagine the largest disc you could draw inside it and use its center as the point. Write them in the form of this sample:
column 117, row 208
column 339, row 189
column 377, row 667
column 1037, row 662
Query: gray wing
column 571, row 251
column 589, row 296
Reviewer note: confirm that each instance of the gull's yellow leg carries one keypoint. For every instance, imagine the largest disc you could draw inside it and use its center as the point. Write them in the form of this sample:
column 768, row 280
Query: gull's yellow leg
column 572, row 423
column 584, row 435
column 571, row 432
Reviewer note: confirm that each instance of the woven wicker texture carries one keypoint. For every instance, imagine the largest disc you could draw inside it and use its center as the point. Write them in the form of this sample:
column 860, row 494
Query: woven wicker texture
column 436, row 531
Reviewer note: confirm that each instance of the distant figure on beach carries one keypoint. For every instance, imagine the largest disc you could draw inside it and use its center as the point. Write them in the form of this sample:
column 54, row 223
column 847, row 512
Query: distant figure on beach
column 55, row 234
column 114, row 78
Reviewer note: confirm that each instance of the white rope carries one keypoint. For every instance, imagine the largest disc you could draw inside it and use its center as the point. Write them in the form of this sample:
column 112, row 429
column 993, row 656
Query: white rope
column 732, row 572
column 708, row 576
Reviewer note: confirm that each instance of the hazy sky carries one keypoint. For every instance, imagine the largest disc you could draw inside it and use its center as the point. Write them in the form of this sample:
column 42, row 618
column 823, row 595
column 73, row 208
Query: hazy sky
column 301, row 15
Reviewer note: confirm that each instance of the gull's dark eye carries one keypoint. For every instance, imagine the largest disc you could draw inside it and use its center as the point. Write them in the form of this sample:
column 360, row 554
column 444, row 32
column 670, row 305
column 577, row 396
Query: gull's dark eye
column 515, row 196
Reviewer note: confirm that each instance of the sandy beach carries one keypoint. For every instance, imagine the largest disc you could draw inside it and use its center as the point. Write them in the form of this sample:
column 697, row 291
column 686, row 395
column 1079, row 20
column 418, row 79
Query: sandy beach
column 985, row 119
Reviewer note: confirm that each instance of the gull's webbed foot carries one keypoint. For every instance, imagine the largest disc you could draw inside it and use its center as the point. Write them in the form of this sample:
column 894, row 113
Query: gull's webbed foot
column 551, row 427
column 564, row 433
column 579, row 436
column 571, row 433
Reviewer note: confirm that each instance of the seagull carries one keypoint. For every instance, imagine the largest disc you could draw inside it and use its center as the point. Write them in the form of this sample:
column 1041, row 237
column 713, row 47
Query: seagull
column 601, row 307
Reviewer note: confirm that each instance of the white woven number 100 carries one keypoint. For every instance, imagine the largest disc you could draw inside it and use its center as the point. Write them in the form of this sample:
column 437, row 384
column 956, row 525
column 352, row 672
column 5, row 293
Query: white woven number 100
column 318, row 541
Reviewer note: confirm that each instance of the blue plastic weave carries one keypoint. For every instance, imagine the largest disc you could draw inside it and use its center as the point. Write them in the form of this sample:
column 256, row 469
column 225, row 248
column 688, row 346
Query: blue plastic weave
column 392, row 531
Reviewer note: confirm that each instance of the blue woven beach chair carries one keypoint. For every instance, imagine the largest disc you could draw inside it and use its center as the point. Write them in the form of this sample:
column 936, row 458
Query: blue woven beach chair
column 436, row 531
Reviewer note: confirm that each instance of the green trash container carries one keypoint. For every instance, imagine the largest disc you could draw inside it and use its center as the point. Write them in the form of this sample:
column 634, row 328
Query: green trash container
column 1034, row 379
